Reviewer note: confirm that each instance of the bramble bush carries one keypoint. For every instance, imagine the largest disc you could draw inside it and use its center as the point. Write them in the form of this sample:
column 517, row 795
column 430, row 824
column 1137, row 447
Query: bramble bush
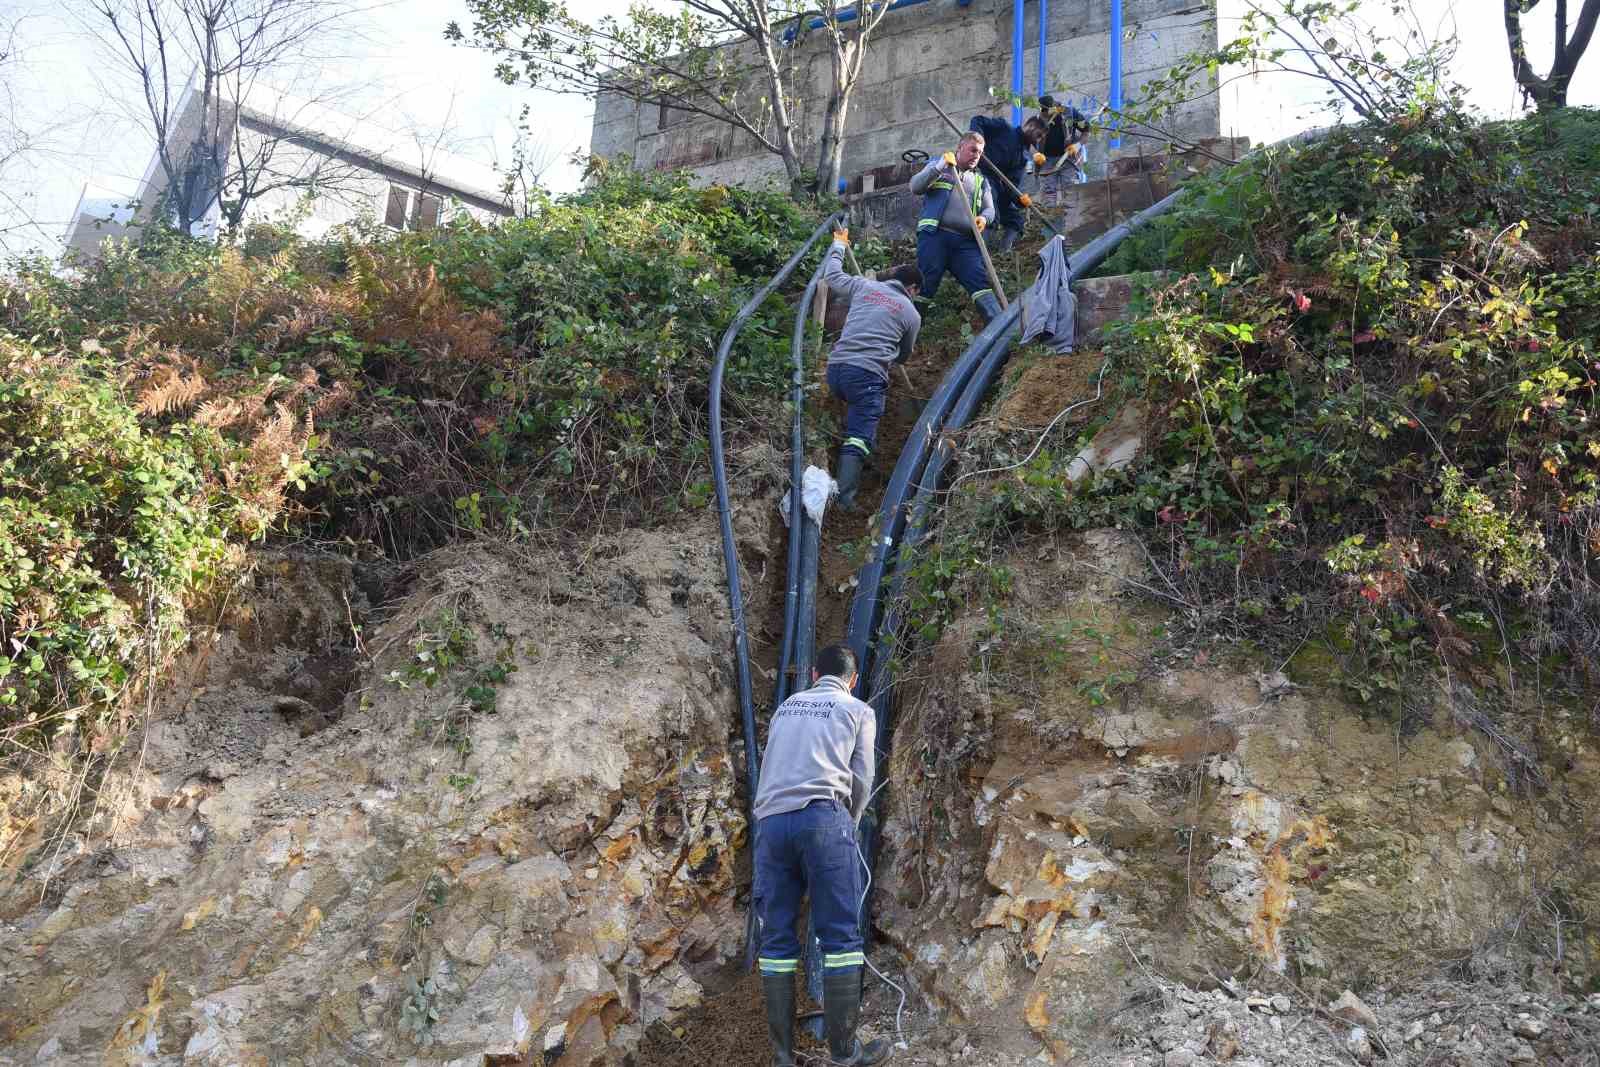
column 1371, row 398
column 545, row 373
column 171, row 400
column 107, row 531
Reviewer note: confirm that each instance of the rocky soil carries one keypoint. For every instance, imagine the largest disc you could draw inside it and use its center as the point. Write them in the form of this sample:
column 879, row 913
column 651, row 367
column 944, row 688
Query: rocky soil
column 500, row 819
column 1084, row 807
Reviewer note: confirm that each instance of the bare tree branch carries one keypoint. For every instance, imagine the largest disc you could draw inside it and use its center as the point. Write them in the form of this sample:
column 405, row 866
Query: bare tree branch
column 218, row 50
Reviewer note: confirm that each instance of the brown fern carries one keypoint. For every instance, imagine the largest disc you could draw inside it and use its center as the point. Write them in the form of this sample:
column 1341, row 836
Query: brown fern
column 172, row 387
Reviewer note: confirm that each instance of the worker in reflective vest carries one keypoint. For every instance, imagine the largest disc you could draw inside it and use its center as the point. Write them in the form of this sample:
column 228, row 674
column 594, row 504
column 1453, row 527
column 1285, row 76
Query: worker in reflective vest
column 946, row 239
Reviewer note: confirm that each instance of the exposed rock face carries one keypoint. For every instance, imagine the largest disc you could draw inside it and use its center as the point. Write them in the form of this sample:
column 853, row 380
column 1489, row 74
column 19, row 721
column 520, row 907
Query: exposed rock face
column 1072, row 814
column 517, row 832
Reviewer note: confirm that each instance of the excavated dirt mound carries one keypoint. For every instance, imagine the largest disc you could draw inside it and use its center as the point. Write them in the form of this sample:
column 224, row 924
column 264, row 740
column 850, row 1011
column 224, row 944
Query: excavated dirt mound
column 1047, row 387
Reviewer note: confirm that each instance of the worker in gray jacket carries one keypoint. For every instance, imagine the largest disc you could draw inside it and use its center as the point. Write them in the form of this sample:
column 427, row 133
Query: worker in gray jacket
column 946, row 238
column 816, row 779
column 879, row 331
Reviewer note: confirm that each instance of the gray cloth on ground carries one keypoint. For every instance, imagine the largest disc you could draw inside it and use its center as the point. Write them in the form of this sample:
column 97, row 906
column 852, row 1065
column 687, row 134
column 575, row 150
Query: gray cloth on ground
column 882, row 324
column 1049, row 309
column 819, row 747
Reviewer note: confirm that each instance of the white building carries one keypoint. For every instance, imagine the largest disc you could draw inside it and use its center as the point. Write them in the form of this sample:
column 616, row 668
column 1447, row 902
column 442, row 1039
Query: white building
column 303, row 164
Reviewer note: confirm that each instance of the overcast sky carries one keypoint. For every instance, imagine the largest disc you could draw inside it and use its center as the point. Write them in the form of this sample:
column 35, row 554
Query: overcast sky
column 406, row 76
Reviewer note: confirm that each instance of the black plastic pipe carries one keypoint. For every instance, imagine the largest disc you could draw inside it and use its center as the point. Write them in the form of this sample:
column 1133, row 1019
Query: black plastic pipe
column 880, row 684
column 891, row 514
column 797, row 514
column 719, row 475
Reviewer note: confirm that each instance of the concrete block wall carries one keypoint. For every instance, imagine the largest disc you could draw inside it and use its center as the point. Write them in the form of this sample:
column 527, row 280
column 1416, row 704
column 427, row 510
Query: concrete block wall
column 1080, row 212
column 960, row 56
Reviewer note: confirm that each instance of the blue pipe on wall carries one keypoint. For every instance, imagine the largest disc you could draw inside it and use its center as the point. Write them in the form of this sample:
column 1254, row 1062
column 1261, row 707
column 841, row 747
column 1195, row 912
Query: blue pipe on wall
column 1016, row 62
column 818, row 22
column 1116, row 69
column 1044, row 43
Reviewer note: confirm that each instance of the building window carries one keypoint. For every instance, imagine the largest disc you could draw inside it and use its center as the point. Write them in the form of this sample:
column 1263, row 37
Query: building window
column 395, row 214
column 409, row 209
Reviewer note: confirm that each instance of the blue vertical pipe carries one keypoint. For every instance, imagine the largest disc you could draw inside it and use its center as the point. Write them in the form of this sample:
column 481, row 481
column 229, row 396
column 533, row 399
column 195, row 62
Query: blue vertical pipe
column 1044, row 43
column 1016, row 62
column 1116, row 70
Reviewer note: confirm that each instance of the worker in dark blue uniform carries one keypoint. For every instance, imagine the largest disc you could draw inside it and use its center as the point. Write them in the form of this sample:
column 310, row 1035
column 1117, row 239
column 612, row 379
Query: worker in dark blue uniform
column 1010, row 148
column 1066, row 135
column 948, row 230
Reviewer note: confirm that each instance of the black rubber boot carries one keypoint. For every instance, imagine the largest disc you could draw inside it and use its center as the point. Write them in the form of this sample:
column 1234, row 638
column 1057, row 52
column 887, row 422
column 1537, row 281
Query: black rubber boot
column 988, row 306
column 841, row 1010
column 1001, row 239
column 850, row 462
column 779, row 990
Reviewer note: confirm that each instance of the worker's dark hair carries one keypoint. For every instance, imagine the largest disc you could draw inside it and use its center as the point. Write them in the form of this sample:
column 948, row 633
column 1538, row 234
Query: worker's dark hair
column 1034, row 129
column 907, row 274
column 838, row 661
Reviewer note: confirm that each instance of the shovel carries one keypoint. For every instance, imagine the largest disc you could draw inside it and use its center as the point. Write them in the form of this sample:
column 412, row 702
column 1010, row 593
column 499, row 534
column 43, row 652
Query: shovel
column 910, row 403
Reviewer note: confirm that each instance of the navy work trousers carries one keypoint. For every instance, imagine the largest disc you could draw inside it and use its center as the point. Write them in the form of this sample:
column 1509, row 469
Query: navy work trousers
column 863, row 393
column 940, row 250
column 810, row 849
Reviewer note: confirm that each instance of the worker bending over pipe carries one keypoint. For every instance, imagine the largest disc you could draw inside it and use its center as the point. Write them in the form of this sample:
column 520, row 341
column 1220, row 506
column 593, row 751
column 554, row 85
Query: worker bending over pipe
column 816, row 780
column 879, row 331
column 1009, row 148
column 946, row 240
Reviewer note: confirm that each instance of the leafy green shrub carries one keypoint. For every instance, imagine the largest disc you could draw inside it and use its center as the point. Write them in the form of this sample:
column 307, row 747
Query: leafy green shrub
column 1372, row 397
column 107, row 530
column 546, row 373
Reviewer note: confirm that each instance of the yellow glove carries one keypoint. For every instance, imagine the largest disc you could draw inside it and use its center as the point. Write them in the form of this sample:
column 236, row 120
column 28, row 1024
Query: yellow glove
column 981, row 223
column 842, row 235
column 949, row 159
column 1025, row 200
column 1038, row 159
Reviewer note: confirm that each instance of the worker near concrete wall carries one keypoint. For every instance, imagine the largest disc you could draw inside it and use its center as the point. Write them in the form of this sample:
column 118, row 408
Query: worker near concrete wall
column 816, row 779
column 1010, row 148
column 946, row 239
column 879, row 331
column 1066, row 134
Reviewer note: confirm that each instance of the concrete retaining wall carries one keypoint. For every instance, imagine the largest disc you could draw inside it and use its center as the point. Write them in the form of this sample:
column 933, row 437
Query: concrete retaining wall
column 953, row 53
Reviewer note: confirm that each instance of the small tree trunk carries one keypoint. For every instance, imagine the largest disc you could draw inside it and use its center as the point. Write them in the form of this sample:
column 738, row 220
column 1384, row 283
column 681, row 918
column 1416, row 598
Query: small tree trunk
column 830, row 152
column 1550, row 92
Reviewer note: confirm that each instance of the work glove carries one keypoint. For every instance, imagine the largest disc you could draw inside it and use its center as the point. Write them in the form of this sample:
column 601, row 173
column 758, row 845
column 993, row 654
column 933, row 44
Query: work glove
column 842, row 235
column 1025, row 200
column 950, row 159
column 1038, row 159
column 980, row 222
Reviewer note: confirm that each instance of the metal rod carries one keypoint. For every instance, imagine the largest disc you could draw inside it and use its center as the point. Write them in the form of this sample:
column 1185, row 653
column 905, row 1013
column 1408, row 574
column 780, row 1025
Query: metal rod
column 1044, row 42
column 1116, row 69
column 1016, row 62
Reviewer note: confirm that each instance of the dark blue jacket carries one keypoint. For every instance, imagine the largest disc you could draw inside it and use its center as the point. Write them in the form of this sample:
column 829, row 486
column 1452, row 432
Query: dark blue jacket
column 1002, row 145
